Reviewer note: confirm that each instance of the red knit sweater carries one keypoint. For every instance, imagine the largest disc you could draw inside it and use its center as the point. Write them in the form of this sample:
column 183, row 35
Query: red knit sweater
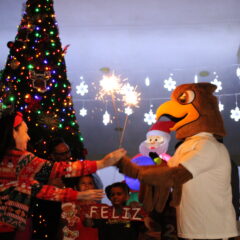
column 23, row 175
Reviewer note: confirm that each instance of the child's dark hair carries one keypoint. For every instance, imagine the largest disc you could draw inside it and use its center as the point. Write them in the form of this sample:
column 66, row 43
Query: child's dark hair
column 122, row 185
column 74, row 181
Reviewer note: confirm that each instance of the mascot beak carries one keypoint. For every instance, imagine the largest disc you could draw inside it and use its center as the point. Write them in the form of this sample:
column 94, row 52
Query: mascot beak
column 181, row 114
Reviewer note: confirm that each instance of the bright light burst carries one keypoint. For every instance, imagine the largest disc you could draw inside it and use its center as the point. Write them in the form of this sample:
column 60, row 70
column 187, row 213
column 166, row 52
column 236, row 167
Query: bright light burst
column 109, row 84
column 130, row 96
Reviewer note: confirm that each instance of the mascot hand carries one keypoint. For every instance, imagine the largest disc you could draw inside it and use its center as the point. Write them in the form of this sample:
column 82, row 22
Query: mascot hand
column 146, row 196
column 127, row 167
column 181, row 176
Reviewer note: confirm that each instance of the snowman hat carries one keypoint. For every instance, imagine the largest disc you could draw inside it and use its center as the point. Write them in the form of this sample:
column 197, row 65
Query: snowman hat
column 160, row 128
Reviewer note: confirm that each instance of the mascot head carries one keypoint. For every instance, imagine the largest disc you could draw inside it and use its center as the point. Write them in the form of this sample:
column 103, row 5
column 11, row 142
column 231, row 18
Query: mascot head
column 194, row 109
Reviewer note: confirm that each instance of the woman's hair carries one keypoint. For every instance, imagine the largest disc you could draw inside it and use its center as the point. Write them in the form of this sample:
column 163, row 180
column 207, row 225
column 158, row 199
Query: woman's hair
column 6, row 134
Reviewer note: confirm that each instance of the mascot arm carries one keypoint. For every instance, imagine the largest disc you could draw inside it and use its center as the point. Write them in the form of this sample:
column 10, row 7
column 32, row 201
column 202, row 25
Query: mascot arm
column 157, row 182
column 181, row 176
column 127, row 167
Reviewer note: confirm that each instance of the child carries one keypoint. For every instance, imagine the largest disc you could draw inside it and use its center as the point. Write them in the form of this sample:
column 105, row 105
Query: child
column 109, row 229
column 82, row 232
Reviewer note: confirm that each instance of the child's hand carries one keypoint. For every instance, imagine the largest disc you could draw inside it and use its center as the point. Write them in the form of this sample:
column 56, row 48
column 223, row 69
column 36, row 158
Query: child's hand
column 111, row 158
column 92, row 194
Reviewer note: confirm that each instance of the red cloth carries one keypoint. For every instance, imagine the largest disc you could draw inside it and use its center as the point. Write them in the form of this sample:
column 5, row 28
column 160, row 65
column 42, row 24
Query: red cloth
column 86, row 233
column 18, row 171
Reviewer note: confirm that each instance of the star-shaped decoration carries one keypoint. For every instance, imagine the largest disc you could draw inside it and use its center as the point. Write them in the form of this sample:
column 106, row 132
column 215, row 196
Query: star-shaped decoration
column 106, row 118
column 83, row 112
column 169, row 84
column 82, row 88
column 235, row 114
column 218, row 83
column 128, row 111
column 149, row 117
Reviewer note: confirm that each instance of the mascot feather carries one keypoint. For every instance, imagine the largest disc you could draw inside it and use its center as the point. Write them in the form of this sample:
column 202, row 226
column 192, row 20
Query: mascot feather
column 199, row 173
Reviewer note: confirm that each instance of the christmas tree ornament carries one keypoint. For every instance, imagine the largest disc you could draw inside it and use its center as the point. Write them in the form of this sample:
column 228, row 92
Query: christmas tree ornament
column 39, row 80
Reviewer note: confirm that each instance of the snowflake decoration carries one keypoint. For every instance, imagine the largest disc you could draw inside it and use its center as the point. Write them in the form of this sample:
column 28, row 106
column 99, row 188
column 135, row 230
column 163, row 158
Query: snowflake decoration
column 220, row 106
column 83, row 112
column 218, row 84
column 128, row 111
column 106, row 118
column 169, row 84
column 235, row 114
column 149, row 117
column 82, row 88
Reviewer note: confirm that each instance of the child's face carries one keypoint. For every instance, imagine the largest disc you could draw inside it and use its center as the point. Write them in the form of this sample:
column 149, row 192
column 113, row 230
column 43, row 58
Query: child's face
column 118, row 196
column 86, row 183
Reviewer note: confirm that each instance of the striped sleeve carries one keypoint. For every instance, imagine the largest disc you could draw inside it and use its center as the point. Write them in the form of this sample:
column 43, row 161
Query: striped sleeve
column 73, row 169
column 53, row 193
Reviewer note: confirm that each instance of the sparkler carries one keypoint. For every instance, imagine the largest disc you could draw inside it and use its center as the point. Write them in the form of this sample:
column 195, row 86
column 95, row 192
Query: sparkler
column 131, row 98
column 110, row 85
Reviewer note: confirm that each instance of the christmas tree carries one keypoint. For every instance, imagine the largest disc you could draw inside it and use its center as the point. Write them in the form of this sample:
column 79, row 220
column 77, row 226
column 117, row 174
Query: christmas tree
column 35, row 82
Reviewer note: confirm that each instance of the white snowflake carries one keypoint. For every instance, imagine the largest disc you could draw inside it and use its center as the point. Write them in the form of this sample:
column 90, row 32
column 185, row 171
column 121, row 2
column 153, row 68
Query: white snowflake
column 149, row 117
column 169, row 84
column 83, row 112
column 128, row 111
column 82, row 88
column 106, row 118
column 235, row 114
column 221, row 107
column 218, row 83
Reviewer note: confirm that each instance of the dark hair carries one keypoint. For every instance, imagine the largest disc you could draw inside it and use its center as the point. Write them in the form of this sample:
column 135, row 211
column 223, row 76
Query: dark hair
column 74, row 181
column 122, row 185
column 6, row 134
column 53, row 143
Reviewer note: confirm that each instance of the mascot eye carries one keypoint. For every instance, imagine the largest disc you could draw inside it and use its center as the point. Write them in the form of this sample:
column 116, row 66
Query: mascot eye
column 187, row 97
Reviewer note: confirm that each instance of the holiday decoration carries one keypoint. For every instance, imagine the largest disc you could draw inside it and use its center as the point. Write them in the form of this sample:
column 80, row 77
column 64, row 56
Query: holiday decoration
column 149, row 117
column 152, row 150
column 170, row 83
column 82, row 88
column 83, row 112
column 39, row 80
column 217, row 82
column 34, row 80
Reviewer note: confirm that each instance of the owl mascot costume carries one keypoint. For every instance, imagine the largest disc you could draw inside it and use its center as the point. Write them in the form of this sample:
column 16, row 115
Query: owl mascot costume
column 198, row 174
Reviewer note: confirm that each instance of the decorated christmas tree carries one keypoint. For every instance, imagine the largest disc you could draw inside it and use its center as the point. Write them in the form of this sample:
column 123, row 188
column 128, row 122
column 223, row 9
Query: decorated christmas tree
column 35, row 82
